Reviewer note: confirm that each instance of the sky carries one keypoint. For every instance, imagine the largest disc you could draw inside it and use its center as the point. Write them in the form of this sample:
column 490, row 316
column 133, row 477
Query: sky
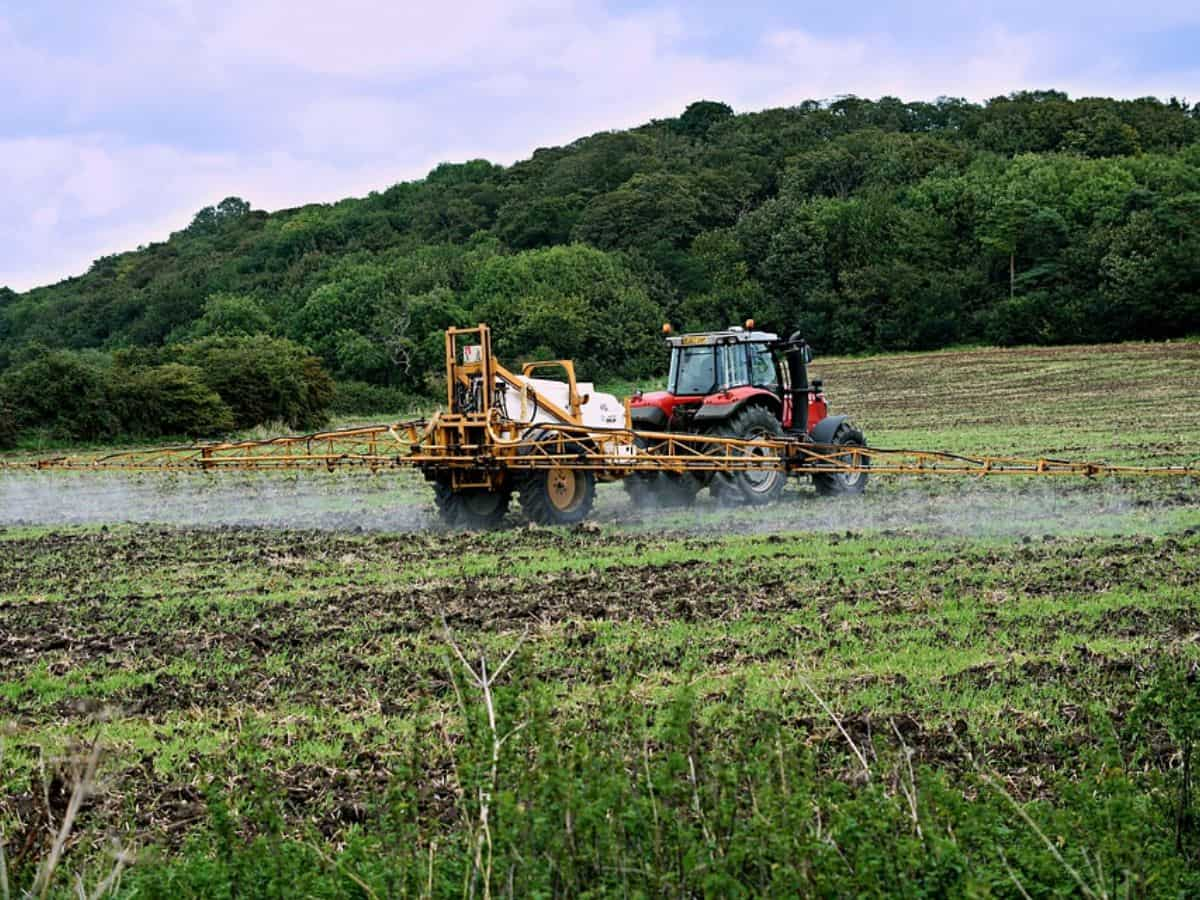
column 119, row 119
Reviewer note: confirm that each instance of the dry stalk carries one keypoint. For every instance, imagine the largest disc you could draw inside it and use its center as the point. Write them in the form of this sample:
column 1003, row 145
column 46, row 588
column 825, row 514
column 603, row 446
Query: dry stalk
column 993, row 782
column 83, row 788
column 1012, row 876
column 336, row 864
column 909, row 789
column 838, row 722
column 85, row 785
column 484, row 680
column 696, row 805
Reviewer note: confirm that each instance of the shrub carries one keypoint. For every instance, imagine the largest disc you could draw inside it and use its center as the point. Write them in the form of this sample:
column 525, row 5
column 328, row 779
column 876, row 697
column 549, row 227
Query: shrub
column 169, row 399
column 62, row 392
column 352, row 398
column 8, row 426
column 263, row 379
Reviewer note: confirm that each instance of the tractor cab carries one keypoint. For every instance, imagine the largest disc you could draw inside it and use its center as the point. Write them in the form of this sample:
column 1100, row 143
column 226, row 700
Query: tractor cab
column 715, row 374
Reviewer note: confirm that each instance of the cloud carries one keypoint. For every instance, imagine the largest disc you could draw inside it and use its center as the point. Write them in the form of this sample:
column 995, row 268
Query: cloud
column 152, row 110
column 366, row 39
column 77, row 198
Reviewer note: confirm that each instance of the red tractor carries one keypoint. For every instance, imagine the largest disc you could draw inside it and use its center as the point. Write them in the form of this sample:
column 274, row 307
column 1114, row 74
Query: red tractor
column 747, row 384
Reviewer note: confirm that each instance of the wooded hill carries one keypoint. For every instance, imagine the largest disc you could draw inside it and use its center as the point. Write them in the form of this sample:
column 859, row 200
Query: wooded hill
column 869, row 225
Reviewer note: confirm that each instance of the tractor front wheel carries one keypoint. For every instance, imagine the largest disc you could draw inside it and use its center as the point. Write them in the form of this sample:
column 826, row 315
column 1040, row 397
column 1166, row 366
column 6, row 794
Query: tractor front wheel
column 757, row 486
column 476, row 509
column 841, row 484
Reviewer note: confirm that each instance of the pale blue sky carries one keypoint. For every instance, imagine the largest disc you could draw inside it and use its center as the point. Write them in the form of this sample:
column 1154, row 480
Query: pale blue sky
column 119, row 119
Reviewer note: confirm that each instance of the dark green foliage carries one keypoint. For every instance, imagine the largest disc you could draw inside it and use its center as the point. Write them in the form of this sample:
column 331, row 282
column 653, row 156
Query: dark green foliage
column 570, row 302
column 601, row 805
column 91, row 397
column 700, row 117
column 263, row 379
column 360, row 398
column 63, row 393
column 169, row 399
column 1170, row 709
column 8, row 425
column 229, row 314
column 871, row 225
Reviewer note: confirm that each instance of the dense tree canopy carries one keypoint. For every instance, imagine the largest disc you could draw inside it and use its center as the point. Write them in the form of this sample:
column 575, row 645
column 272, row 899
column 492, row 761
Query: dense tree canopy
column 871, row 225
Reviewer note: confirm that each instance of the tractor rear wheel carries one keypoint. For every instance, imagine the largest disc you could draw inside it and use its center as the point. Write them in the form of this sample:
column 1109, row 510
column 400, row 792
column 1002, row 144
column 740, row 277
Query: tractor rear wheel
column 754, row 487
column 558, row 495
column 841, row 484
column 476, row 509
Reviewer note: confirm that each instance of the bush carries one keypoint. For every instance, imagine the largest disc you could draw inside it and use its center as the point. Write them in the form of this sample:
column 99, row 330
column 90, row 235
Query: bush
column 351, row 398
column 170, row 399
column 63, row 393
column 263, row 379
column 8, row 427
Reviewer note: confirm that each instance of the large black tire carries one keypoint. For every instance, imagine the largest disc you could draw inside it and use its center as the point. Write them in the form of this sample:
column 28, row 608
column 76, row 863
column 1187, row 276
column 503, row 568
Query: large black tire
column 840, row 484
column 656, row 490
column 476, row 509
column 753, row 487
column 557, row 496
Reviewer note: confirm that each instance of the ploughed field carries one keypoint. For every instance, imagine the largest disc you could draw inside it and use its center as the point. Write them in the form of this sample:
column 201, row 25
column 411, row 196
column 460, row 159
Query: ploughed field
column 944, row 687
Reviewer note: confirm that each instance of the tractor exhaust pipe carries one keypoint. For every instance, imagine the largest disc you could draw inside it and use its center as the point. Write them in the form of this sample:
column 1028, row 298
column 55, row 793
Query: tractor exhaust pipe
column 797, row 363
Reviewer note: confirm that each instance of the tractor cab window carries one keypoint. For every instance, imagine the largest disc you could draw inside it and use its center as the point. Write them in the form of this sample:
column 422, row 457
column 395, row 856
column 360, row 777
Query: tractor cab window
column 737, row 370
column 693, row 371
column 762, row 367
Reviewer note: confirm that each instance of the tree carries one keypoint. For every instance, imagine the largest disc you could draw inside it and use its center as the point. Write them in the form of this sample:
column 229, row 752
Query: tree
column 731, row 294
column 526, row 223
column 263, row 379
column 875, row 223
column 700, row 117
column 360, row 358
column 1001, row 229
column 228, row 315
column 211, row 218
column 363, row 300
column 651, row 210
column 570, row 302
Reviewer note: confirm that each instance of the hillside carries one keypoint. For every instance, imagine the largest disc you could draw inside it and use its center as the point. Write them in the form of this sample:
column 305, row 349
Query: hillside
column 871, row 225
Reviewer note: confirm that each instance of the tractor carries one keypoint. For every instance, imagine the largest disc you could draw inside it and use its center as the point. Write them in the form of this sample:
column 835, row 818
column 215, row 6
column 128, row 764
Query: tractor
column 745, row 384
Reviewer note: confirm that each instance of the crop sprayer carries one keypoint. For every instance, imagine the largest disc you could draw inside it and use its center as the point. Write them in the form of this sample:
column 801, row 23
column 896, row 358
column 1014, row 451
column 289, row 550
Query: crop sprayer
column 739, row 416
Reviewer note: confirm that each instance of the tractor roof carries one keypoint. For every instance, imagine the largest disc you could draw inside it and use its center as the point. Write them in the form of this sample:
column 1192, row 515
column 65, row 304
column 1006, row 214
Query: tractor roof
column 729, row 335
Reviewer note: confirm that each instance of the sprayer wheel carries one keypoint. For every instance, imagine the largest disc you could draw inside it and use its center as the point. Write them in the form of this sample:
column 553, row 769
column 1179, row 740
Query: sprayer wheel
column 838, row 484
column 476, row 509
column 557, row 495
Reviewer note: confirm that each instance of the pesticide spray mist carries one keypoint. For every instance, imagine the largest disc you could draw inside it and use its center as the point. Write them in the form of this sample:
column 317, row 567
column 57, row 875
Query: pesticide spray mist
column 401, row 502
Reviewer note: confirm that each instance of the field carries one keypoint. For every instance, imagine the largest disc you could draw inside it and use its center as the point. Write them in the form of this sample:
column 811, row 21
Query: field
column 981, row 688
